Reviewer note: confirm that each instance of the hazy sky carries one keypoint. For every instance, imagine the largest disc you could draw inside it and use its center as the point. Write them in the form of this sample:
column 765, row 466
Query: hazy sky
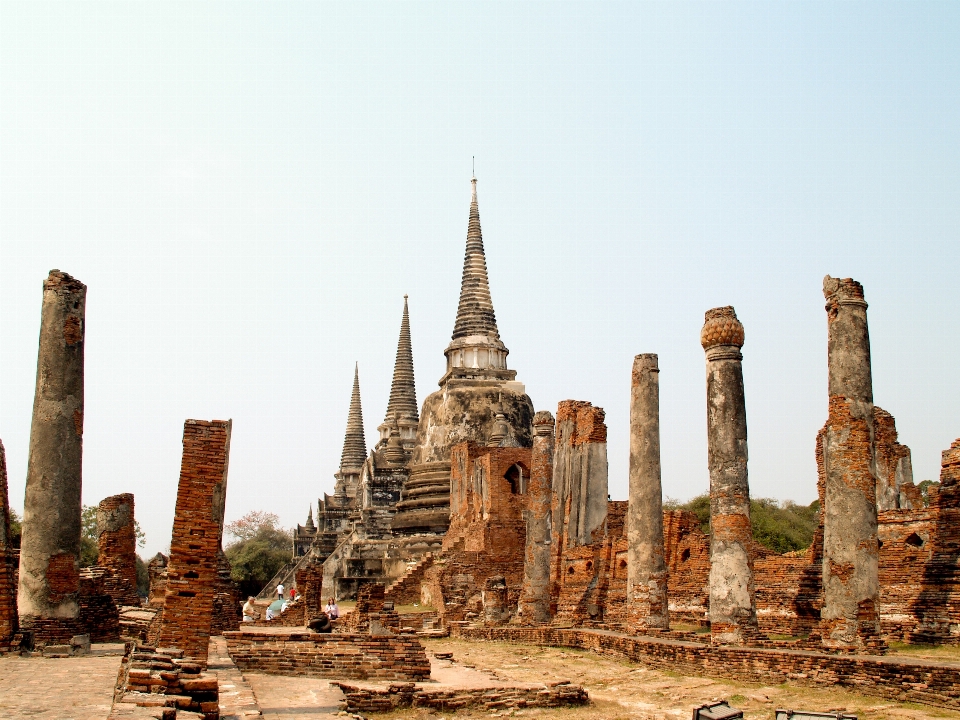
column 249, row 189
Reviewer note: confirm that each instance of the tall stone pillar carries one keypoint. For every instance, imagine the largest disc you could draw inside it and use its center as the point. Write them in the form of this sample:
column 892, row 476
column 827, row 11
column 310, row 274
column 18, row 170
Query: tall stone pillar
column 8, row 593
column 193, row 569
column 48, row 595
column 535, row 598
column 851, row 589
column 646, row 564
column 733, row 613
column 117, row 547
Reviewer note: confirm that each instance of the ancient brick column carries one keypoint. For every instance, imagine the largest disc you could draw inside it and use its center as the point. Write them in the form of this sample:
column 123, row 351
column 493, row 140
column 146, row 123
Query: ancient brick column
column 197, row 533
column 733, row 614
column 50, row 544
column 646, row 565
column 8, row 592
column 535, row 596
column 117, row 547
column 850, row 614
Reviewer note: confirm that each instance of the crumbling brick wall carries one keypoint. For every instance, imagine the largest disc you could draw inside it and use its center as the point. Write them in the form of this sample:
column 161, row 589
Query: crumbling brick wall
column 157, row 572
column 487, row 531
column 309, row 579
column 99, row 613
column 226, row 599
column 117, row 547
column 894, row 465
column 192, row 573
column 938, row 606
column 8, row 584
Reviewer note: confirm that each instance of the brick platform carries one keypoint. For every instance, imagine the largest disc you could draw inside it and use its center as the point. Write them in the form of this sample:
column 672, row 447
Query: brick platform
column 906, row 680
column 282, row 651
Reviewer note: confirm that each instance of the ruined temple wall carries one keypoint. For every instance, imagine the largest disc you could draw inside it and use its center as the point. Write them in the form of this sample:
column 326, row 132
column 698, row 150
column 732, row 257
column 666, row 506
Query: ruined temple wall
column 117, row 547
column 8, row 586
column 894, row 464
column 192, row 573
column 487, row 532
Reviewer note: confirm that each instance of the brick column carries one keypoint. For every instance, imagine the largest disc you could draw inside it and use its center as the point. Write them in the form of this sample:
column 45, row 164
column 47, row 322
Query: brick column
column 646, row 565
column 197, row 534
column 48, row 596
column 117, row 547
column 733, row 614
column 851, row 590
column 535, row 595
column 8, row 592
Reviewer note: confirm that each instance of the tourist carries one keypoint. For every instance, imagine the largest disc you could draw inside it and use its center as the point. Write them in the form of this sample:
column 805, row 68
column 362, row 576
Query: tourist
column 250, row 610
column 280, row 591
column 332, row 610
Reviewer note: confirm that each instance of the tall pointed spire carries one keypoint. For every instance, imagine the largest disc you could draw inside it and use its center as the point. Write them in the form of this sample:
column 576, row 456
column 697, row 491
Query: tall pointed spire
column 403, row 391
column 354, row 444
column 475, row 313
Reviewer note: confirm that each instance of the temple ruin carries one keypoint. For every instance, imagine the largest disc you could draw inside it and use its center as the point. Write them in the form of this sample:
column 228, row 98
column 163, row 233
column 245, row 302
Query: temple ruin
column 193, row 571
column 9, row 622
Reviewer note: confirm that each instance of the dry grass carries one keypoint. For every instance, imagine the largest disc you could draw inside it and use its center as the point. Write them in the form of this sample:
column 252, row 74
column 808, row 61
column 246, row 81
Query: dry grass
column 622, row 690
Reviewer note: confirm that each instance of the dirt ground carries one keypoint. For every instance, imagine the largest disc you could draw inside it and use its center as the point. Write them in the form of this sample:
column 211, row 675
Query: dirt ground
column 623, row 690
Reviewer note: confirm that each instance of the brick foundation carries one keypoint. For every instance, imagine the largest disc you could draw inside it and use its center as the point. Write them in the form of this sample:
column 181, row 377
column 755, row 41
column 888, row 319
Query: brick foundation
column 359, row 656
column 904, row 680
column 192, row 573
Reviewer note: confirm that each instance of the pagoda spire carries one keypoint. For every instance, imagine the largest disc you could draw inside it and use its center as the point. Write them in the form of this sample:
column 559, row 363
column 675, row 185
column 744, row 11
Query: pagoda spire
column 354, row 444
column 475, row 314
column 403, row 391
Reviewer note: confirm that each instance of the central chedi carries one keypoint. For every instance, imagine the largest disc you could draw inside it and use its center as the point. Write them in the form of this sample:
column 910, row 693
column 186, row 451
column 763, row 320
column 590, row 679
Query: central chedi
column 479, row 398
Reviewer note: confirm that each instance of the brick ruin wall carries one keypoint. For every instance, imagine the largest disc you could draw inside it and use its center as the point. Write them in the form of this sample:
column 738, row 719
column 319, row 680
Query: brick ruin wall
column 117, row 547
column 193, row 569
column 226, row 599
column 8, row 581
column 157, row 572
column 355, row 655
column 487, row 531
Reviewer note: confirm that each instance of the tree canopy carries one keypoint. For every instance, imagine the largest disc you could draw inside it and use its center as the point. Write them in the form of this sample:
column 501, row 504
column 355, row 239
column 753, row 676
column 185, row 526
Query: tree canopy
column 780, row 526
column 261, row 547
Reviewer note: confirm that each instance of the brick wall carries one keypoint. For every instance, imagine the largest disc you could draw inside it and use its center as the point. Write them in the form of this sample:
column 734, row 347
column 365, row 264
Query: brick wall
column 99, row 613
column 359, row 656
column 192, row 573
column 900, row 679
column 8, row 585
column 157, row 572
column 495, row 699
column 226, row 599
column 487, row 530
column 117, row 547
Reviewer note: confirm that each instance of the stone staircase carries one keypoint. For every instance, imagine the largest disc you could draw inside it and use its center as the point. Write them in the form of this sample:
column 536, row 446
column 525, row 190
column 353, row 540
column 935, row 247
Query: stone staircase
column 405, row 590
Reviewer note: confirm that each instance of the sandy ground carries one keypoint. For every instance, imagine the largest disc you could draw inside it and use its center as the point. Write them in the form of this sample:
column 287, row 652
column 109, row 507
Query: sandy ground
column 625, row 690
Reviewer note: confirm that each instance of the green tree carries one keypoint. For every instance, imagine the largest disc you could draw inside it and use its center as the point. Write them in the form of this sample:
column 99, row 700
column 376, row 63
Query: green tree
column 15, row 528
column 261, row 547
column 780, row 526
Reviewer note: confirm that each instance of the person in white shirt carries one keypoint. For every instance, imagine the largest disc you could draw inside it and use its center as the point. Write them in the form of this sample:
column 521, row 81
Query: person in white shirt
column 332, row 610
column 280, row 591
column 249, row 610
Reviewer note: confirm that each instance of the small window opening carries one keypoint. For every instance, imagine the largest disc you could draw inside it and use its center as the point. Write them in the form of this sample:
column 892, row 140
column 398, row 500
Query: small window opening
column 570, row 570
column 589, row 564
column 685, row 555
column 914, row 540
column 518, row 483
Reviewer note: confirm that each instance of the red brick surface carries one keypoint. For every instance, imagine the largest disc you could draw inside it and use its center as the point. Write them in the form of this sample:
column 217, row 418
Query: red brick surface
column 8, row 585
column 192, row 573
column 117, row 547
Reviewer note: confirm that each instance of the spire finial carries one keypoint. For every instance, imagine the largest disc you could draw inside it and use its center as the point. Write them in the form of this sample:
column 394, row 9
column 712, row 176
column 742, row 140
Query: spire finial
column 475, row 313
column 403, row 390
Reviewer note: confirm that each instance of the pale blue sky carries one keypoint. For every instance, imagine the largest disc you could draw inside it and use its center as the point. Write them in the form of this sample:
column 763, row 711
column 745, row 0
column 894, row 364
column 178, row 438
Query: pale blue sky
column 249, row 189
